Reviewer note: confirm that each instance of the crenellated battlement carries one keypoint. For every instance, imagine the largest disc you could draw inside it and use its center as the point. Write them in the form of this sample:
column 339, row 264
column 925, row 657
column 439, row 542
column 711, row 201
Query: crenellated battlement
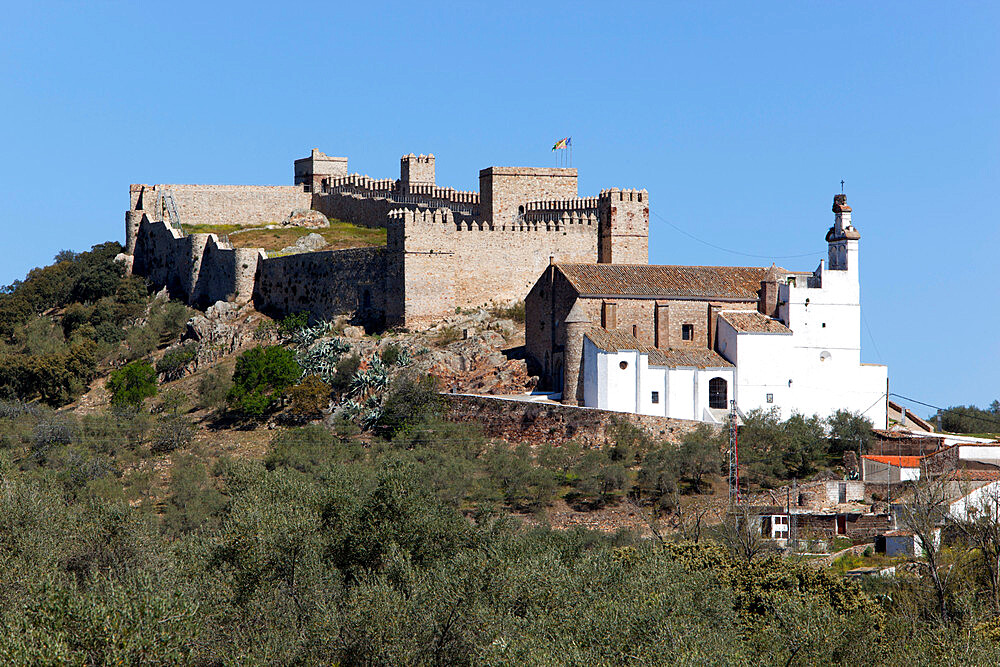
column 616, row 194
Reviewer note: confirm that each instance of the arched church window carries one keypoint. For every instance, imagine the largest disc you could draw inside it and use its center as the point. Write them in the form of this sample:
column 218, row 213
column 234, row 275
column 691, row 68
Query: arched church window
column 718, row 393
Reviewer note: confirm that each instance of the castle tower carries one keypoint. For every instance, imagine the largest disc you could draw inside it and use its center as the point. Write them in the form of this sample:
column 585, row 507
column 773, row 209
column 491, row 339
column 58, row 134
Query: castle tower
column 416, row 171
column 576, row 324
column 318, row 167
column 843, row 239
column 624, row 227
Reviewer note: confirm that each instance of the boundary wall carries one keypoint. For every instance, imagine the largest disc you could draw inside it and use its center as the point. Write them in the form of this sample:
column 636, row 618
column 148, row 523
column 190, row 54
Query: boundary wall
column 517, row 420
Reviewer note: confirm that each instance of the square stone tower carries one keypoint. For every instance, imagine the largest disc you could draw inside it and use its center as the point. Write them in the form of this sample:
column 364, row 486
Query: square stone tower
column 416, row 172
column 624, row 218
column 316, row 168
column 505, row 190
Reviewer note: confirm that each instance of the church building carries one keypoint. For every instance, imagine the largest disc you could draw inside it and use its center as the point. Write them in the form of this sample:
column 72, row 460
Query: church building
column 686, row 341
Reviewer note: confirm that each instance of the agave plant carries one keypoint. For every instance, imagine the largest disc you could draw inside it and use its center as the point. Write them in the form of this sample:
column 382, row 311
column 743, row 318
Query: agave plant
column 403, row 359
column 369, row 418
column 350, row 408
column 321, row 359
column 307, row 335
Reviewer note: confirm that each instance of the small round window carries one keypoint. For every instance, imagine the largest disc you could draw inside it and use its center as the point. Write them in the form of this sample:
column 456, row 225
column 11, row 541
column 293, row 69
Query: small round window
column 623, row 365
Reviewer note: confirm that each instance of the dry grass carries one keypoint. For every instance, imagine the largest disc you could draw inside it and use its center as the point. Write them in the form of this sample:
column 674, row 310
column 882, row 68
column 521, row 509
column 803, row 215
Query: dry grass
column 338, row 235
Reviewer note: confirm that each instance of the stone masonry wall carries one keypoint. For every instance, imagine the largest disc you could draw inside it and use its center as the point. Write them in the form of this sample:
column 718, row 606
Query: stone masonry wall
column 536, row 423
column 503, row 189
column 357, row 209
column 451, row 262
column 326, row 283
column 230, row 204
column 624, row 226
column 199, row 268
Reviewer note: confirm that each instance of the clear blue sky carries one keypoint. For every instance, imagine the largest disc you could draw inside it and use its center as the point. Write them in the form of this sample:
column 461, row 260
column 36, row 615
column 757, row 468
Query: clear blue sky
column 739, row 118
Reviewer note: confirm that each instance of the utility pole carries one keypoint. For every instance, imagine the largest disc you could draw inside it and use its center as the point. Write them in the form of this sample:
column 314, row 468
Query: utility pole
column 734, row 459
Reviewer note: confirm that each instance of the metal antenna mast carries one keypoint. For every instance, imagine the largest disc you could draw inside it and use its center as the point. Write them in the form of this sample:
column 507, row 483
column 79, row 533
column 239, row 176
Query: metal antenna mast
column 734, row 457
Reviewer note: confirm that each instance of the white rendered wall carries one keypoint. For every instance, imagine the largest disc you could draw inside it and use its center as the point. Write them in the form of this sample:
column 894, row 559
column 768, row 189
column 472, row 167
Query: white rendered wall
column 821, row 358
column 977, row 502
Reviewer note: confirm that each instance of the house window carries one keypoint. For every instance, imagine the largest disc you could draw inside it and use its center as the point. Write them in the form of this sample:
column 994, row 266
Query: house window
column 687, row 331
column 656, row 397
column 718, row 393
column 623, row 365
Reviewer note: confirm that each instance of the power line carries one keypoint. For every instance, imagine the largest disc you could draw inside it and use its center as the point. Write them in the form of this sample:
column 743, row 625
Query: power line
column 936, row 407
column 869, row 329
column 735, row 252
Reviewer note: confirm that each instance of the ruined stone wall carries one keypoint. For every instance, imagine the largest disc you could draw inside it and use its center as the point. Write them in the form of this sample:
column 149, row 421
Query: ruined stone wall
column 228, row 204
column 536, row 423
column 504, row 189
column 326, row 283
column 198, row 268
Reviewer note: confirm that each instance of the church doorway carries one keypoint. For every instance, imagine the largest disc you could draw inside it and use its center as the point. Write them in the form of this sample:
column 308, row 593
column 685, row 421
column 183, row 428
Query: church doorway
column 718, row 393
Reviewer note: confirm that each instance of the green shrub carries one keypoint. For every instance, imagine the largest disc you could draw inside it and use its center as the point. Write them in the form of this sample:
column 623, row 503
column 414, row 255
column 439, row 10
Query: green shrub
column 174, row 361
column 512, row 311
column 132, row 384
column 411, row 400
column 344, row 373
column 262, row 376
column 194, row 503
column 213, row 388
column 448, row 334
column 293, row 322
column 309, row 398
column 171, row 432
column 391, row 354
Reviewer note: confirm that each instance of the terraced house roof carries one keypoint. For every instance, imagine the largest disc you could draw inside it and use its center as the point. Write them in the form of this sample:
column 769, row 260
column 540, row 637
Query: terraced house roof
column 644, row 280
column 750, row 321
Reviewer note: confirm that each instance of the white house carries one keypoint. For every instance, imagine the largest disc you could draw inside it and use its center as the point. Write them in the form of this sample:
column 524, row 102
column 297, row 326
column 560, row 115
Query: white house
column 621, row 374
column 805, row 358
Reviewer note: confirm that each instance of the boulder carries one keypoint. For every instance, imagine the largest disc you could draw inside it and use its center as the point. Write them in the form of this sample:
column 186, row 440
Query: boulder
column 306, row 217
column 307, row 243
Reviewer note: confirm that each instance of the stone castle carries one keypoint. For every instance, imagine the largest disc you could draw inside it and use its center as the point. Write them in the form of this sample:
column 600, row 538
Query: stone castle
column 445, row 249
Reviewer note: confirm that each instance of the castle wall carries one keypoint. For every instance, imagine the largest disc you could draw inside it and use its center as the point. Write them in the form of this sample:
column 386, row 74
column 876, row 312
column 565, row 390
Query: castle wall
column 228, row 204
column 354, row 208
column 450, row 261
column 198, row 268
column 326, row 283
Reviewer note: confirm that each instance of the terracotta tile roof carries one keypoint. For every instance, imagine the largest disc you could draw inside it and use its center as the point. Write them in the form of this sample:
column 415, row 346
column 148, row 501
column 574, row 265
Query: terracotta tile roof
column 644, row 280
column 611, row 340
column 750, row 321
column 968, row 475
column 698, row 357
column 899, row 461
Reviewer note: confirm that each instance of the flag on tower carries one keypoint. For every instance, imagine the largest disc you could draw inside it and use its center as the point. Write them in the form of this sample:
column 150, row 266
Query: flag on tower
column 562, row 143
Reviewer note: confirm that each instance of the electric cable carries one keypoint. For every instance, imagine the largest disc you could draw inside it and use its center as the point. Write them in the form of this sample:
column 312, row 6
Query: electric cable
column 735, row 252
